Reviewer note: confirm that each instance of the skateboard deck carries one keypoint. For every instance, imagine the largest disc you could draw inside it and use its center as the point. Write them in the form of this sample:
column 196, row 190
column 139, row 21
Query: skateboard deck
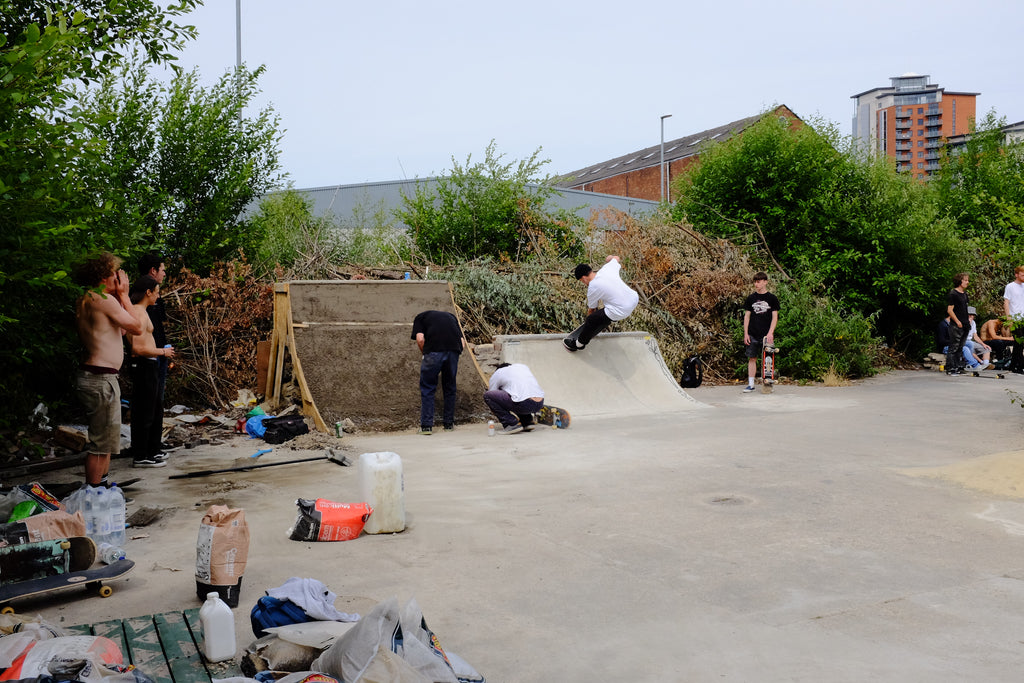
column 979, row 373
column 553, row 417
column 41, row 559
column 768, row 368
column 93, row 579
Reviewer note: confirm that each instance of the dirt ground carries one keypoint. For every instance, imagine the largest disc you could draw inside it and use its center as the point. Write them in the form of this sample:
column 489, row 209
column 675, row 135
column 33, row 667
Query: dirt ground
column 835, row 534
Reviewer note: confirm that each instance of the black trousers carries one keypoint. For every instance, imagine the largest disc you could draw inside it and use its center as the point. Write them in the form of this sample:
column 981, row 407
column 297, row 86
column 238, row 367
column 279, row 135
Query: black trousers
column 147, row 413
column 596, row 322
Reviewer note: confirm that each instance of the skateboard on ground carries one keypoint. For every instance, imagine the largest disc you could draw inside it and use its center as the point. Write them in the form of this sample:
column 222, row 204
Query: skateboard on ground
column 40, row 559
column 92, row 579
column 768, row 368
column 553, row 417
column 979, row 373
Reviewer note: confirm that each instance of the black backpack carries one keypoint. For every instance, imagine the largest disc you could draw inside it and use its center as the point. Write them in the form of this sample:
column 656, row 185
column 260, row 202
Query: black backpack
column 284, row 428
column 693, row 373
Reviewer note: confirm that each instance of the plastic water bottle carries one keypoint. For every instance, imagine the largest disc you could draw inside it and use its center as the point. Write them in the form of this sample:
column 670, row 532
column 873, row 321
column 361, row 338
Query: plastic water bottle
column 89, row 502
column 101, row 514
column 109, row 554
column 490, row 428
column 218, row 629
column 118, row 516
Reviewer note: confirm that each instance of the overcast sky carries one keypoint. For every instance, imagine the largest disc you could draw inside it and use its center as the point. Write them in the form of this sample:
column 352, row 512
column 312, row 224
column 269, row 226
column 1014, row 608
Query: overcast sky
column 375, row 91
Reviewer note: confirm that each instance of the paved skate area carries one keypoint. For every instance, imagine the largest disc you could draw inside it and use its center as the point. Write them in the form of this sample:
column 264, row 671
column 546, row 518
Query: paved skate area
column 814, row 534
column 619, row 373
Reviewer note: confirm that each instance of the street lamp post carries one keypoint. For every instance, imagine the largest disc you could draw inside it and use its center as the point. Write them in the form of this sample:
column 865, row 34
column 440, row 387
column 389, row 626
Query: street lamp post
column 662, row 188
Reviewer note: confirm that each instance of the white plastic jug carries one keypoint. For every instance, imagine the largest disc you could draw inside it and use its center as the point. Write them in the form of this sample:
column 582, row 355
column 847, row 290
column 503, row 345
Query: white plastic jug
column 218, row 629
column 382, row 485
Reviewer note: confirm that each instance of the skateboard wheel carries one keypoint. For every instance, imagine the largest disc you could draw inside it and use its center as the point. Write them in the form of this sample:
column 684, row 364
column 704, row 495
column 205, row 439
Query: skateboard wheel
column 105, row 591
column 64, row 545
column 7, row 609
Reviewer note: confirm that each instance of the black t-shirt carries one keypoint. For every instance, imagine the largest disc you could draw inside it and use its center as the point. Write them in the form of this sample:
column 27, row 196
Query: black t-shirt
column 440, row 331
column 959, row 301
column 760, row 307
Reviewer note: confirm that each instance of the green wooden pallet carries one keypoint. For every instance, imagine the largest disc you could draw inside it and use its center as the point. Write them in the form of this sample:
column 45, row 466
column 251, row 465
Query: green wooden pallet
column 163, row 646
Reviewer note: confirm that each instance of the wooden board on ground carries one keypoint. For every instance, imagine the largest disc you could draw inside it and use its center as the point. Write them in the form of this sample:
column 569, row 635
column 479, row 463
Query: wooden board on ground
column 163, row 646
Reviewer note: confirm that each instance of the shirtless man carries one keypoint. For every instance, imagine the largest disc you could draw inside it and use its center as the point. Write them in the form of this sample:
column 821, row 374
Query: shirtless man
column 147, row 408
column 103, row 315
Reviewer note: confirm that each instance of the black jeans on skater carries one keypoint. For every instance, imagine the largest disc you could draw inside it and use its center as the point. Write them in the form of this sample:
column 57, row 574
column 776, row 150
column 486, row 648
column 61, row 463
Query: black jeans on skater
column 596, row 323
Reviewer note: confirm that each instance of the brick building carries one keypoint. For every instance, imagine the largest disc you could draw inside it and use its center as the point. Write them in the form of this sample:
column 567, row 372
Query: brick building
column 638, row 174
column 910, row 121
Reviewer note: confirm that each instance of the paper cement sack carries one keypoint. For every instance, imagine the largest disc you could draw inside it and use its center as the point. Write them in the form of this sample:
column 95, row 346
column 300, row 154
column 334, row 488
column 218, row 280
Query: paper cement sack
column 221, row 553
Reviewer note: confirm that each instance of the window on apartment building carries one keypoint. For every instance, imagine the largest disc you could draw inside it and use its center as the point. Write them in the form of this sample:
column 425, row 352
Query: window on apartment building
column 920, row 132
column 920, row 164
column 920, row 155
column 920, row 143
column 920, row 110
column 920, row 122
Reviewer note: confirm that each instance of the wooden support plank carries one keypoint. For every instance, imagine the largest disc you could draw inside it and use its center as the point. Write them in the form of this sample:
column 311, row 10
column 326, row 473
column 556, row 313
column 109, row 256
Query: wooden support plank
column 278, row 342
column 183, row 658
column 308, row 405
column 146, row 652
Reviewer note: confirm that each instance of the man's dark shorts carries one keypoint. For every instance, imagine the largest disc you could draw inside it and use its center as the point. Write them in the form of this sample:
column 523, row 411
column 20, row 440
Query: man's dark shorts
column 754, row 348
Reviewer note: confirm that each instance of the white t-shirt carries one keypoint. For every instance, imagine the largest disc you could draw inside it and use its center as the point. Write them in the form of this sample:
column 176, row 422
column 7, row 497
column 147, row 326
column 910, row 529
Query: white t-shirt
column 518, row 381
column 1014, row 293
column 619, row 299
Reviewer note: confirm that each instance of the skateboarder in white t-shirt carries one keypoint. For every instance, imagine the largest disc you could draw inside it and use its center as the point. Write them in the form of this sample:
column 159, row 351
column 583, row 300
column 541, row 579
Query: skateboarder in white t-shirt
column 604, row 287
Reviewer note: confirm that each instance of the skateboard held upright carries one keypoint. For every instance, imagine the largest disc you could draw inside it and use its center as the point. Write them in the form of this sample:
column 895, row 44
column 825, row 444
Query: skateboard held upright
column 768, row 368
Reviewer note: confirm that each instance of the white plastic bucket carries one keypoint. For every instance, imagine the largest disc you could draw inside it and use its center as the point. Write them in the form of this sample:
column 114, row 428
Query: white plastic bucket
column 382, row 485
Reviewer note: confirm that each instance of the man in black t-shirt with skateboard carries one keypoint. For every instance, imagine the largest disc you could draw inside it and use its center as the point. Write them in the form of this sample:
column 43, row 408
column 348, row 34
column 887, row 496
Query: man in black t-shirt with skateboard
column 760, row 316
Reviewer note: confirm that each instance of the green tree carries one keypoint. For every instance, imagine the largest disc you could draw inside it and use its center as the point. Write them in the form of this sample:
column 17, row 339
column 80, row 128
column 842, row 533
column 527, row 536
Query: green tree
column 803, row 201
column 980, row 186
column 182, row 161
column 488, row 207
column 49, row 213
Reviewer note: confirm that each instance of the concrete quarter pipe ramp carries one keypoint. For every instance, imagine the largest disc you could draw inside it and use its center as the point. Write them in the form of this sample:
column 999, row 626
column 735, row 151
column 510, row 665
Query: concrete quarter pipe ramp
column 352, row 339
column 619, row 373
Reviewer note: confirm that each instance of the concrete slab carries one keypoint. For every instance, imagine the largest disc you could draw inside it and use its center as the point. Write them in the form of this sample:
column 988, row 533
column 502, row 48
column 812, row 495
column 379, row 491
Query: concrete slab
column 619, row 373
column 783, row 537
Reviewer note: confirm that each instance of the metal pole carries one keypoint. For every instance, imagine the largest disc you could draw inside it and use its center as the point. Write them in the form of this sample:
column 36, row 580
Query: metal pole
column 663, row 183
column 238, row 56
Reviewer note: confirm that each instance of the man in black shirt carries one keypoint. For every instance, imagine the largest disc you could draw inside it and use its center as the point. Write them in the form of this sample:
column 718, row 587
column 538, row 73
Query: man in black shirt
column 440, row 339
column 957, row 302
column 760, row 316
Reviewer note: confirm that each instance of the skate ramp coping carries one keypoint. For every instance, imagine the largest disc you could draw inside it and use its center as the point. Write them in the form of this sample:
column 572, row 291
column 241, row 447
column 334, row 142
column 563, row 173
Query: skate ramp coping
column 619, row 373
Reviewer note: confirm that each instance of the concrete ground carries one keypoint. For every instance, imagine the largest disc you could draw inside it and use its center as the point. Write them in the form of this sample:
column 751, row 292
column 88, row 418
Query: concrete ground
column 815, row 534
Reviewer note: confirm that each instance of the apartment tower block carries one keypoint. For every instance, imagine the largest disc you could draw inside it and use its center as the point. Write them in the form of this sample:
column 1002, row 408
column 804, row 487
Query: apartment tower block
column 910, row 121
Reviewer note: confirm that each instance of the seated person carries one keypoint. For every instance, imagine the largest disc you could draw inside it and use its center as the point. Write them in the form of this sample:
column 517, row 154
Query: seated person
column 942, row 336
column 998, row 337
column 974, row 345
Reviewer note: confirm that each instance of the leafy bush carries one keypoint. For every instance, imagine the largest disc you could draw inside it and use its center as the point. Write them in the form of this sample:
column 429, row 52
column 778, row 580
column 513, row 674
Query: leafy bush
column 816, row 336
column 488, row 208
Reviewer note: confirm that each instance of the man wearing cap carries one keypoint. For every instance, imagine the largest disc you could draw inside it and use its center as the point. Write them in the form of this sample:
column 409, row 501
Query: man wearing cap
column 1013, row 306
column 605, row 287
column 976, row 351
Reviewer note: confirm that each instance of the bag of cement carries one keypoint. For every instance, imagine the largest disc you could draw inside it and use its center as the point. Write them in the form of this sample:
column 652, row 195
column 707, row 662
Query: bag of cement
column 352, row 655
column 221, row 553
column 271, row 653
column 325, row 520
